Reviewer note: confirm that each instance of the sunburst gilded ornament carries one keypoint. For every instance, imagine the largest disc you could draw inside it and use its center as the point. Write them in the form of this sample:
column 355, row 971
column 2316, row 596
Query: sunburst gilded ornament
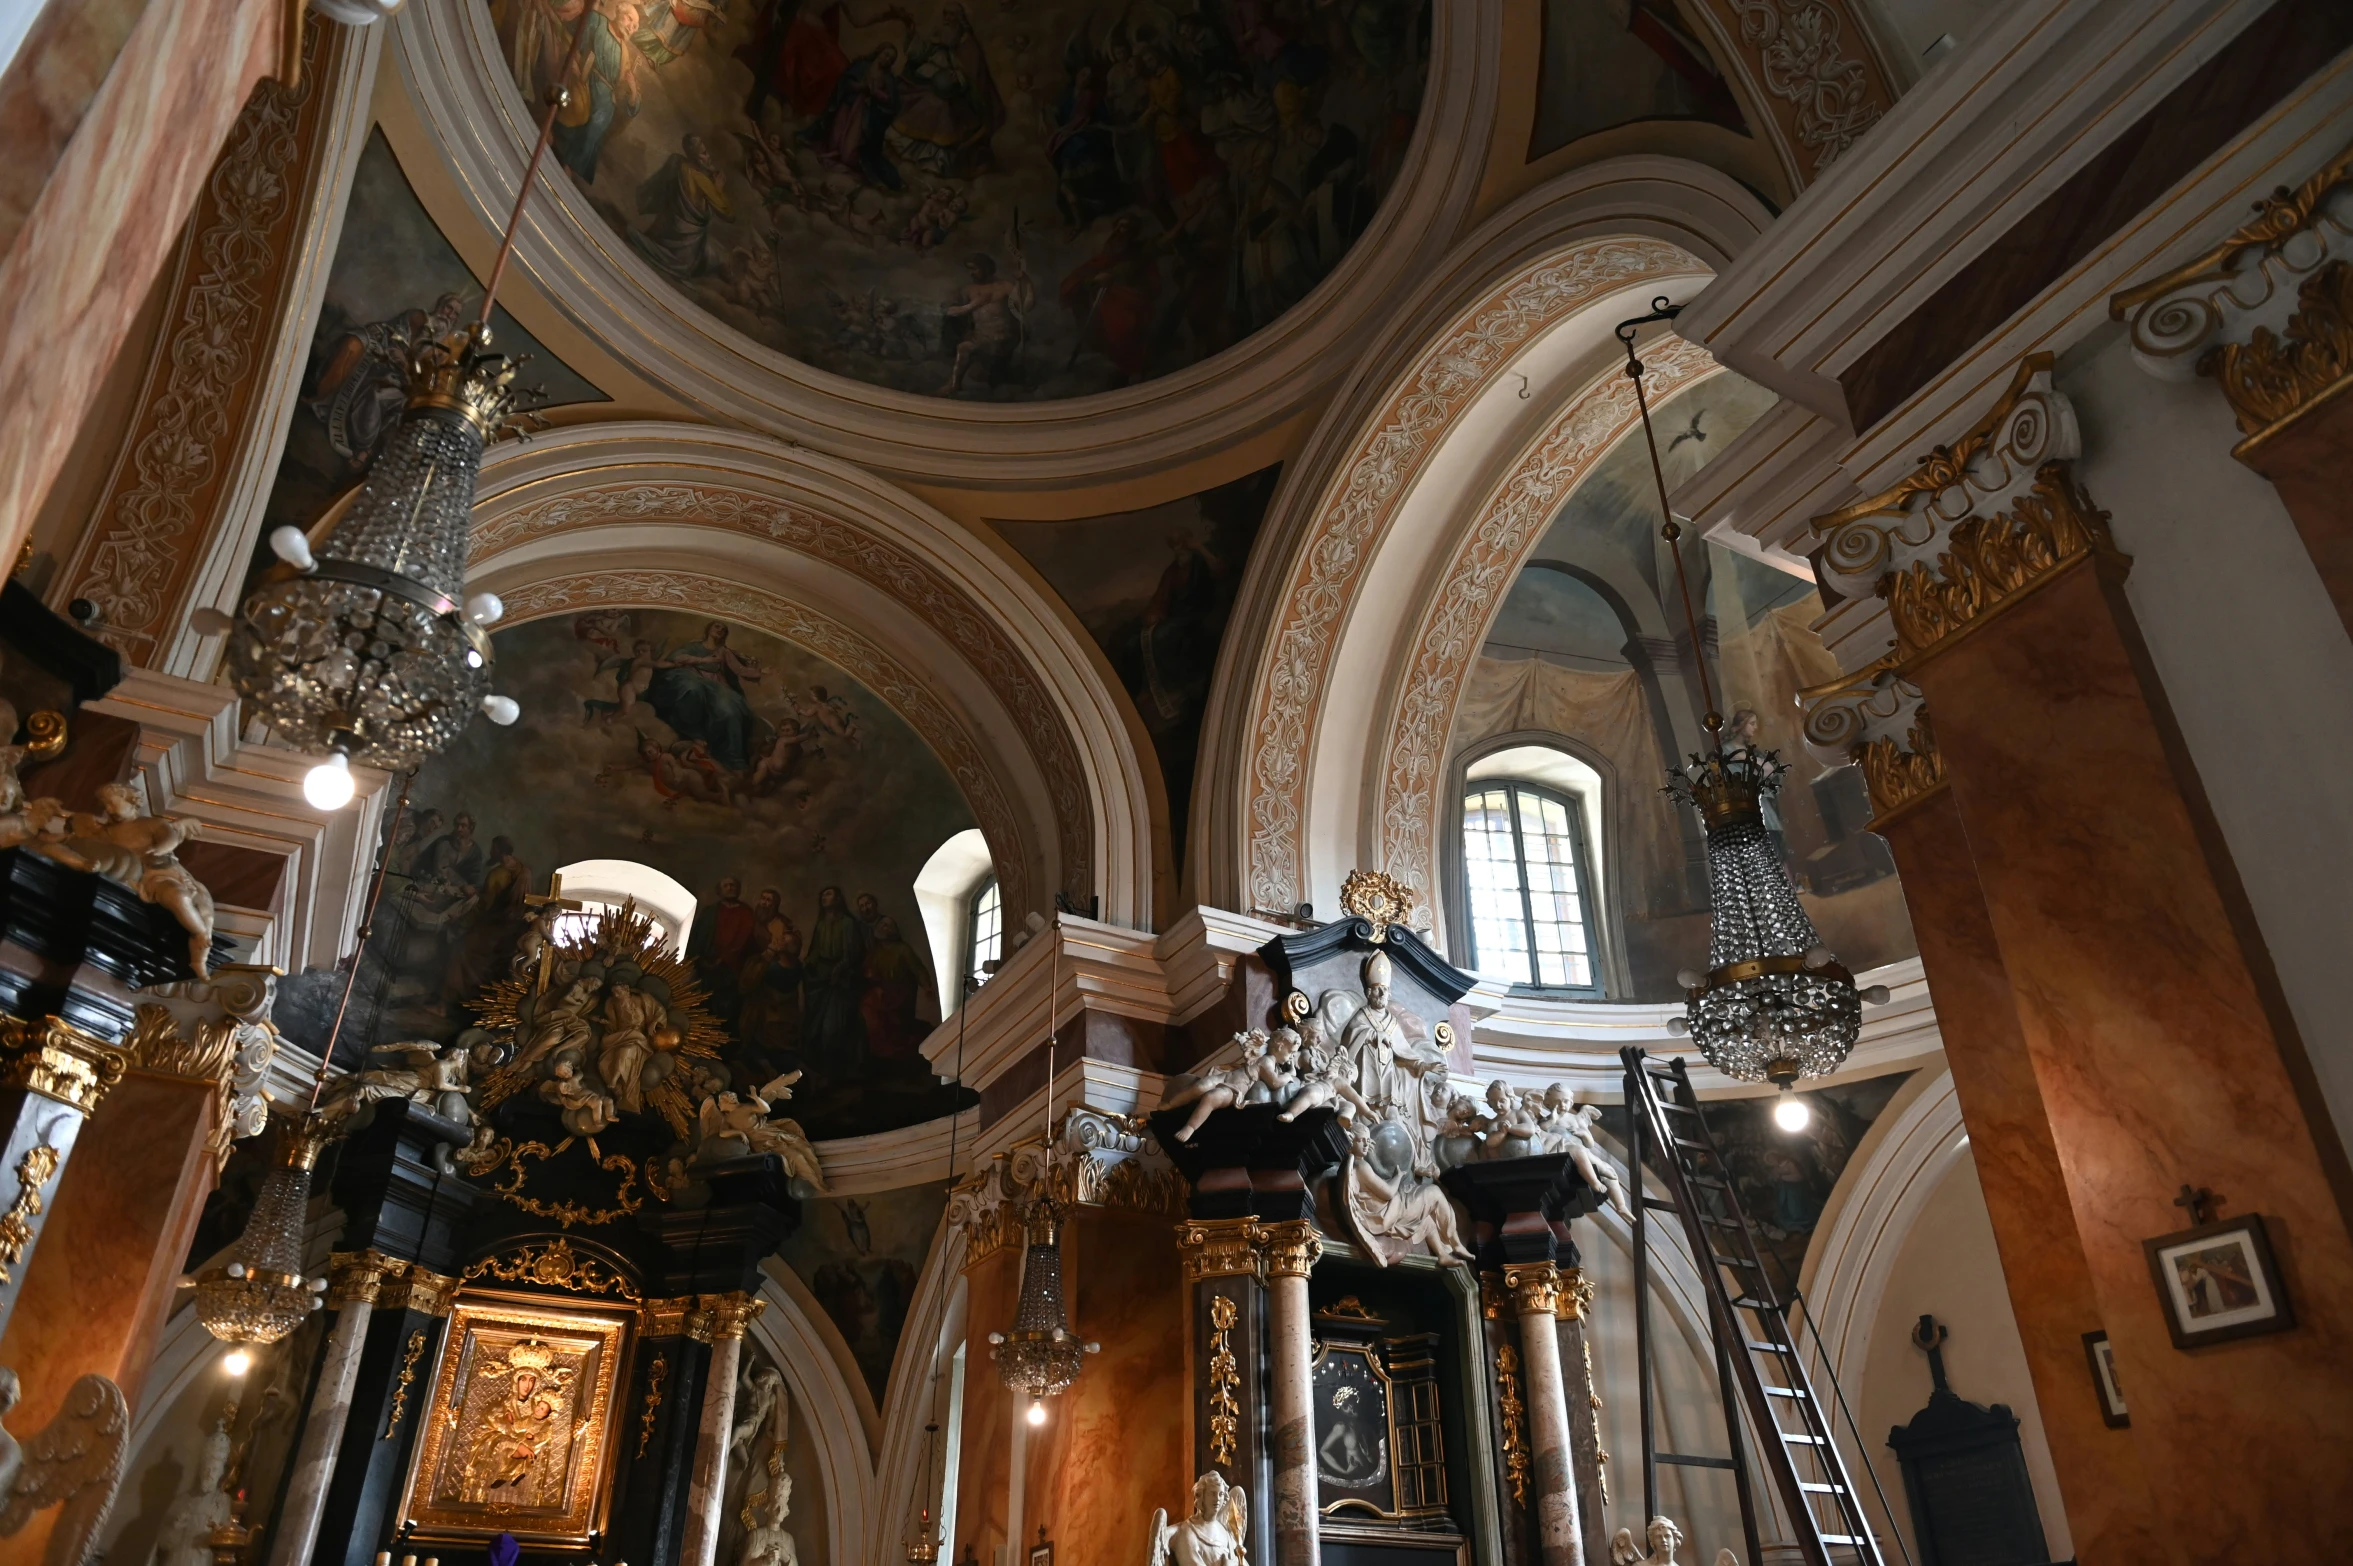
column 1379, row 899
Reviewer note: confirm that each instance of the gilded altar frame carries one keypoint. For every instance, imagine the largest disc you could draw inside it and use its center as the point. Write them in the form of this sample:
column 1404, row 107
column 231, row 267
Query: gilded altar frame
column 518, row 1434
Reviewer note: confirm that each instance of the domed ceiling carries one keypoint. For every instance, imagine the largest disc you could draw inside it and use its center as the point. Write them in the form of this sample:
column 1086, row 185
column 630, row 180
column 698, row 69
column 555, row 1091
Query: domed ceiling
column 1001, row 200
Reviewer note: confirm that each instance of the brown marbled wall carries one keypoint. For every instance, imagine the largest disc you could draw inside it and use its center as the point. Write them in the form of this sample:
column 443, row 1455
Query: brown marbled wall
column 2144, row 1002
column 2100, row 1473
column 2310, row 461
column 1113, row 1446
column 992, row 1288
column 106, row 221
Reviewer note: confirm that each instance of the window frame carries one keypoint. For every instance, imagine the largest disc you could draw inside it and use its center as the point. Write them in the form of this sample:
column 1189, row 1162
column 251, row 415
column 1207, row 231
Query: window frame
column 1572, row 804
column 973, row 977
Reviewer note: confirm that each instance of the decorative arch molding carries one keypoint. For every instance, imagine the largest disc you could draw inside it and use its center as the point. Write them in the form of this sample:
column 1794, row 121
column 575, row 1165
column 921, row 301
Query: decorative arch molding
column 600, row 512
column 449, row 60
column 821, row 1375
column 1436, row 405
column 1488, row 553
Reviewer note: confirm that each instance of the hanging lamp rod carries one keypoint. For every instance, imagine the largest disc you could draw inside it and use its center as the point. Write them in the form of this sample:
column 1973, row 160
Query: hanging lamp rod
column 558, row 97
column 1664, row 309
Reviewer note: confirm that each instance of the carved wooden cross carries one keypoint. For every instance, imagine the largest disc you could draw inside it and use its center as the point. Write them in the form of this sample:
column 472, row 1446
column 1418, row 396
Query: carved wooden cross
column 556, row 899
column 2195, row 1200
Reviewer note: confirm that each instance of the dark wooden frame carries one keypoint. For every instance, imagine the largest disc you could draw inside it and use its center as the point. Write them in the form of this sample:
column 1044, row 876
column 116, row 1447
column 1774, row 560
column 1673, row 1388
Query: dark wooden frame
column 2113, row 1413
column 2258, row 1244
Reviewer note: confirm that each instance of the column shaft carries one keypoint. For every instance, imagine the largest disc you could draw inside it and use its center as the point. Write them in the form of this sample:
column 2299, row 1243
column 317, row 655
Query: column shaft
column 52, row 1076
column 1291, row 1249
column 707, row 1488
column 1535, row 1291
column 351, row 1293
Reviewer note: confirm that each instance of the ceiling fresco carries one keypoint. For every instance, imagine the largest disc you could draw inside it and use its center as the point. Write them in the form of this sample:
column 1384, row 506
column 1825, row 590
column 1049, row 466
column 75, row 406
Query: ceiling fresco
column 1001, row 200
column 1612, row 62
column 791, row 799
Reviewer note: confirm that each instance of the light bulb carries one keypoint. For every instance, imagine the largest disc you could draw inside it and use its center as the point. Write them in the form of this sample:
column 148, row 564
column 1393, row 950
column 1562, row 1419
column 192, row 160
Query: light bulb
column 1791, row 1114
column 328, row 785
column 485, row 608
column 290, row 545
column 500, row 710
column 1037, row 1410
column 236, row 1362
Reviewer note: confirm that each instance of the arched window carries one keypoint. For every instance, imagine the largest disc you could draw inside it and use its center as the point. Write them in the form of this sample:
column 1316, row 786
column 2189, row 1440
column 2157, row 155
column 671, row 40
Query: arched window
column 1528, row 885
column 985, row 933
column 608, row 883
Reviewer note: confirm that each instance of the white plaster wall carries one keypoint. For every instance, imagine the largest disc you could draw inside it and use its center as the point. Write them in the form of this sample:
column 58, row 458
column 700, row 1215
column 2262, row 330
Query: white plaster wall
column 2253, row 658
column 1948, row 1268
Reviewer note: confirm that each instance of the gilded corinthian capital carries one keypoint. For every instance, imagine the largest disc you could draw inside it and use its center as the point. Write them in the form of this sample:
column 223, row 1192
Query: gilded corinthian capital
column 52, row 1057
column 2268, row 313
column 1534, row 1287
column 1975, row 526
column 1877, row 720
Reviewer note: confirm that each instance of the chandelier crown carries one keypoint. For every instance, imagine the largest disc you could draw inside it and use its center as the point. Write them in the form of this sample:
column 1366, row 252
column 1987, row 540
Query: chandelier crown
column 1728, row 787
column 458, row 372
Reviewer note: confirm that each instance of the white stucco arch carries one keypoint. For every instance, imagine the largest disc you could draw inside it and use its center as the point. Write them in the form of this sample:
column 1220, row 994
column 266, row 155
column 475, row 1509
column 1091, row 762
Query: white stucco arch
column 1365, row 520
column 667, row 513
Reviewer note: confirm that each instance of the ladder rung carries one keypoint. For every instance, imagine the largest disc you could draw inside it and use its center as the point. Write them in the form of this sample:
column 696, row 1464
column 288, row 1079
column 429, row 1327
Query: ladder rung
column 1659, row 1204
column 1842, row 1538
column 1768, row 1348
column 1787, row 1392
column 1672, row 1107
column 1694, row 1462
column 1697, row 1147
column 1803, row 1440
column 1743, row 1302
column 1733, row 1261
column 1821, row 1489
column 1707, row 1180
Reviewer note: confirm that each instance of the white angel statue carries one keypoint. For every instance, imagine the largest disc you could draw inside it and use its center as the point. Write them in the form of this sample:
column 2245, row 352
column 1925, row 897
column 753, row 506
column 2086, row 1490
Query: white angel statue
column 1216, row 1534
column 751, row 1119
column 76, row 1462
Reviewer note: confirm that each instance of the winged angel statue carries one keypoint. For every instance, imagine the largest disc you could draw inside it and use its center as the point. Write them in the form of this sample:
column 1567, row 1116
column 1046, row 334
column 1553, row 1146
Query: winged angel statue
column 1215, row 1535
column 76, row 1461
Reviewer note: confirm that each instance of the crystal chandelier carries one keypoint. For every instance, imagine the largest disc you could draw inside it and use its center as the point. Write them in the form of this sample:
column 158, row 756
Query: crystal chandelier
column 1775, row 1005
column 259, row 1294
column 361, row 642
column 1041, row 1356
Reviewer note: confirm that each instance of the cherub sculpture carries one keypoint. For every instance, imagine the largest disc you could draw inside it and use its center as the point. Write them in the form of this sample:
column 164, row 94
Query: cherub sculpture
column 751, row 1120
column 76, row 1463
column 757, row 1395
column 1664, row 1539
column 1460, row 1135
column 1216, row 1534
column 1570, row 1125
column 1516, row 1133
column 1211, row 1091
column 1326, row 1077
column 585, row 1111
column 140, row 852
column 416, row 1069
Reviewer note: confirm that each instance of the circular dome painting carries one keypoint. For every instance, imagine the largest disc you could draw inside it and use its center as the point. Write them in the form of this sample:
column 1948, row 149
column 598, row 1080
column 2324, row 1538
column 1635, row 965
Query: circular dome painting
column 1007, row 200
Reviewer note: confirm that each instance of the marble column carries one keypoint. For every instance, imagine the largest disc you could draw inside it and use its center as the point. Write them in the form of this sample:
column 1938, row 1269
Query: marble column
column 1535, row 1294
column 2110, row 1512
column 1500, row 1336
column 52, row 1078
column 353, row 1280
column 360, row 1512
column 1290, row 1249
column 728, row 1315
column 1587, row 1461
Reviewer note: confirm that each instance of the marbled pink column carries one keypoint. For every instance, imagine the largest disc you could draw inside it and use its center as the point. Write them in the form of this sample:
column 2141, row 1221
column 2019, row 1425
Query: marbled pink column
column 1535, row 1292
column 1291, row 1250
column 706, row 1487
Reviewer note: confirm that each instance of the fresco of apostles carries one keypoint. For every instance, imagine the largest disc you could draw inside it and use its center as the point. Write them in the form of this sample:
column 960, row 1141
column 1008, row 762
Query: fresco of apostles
column 980, row 198
column 796, row 803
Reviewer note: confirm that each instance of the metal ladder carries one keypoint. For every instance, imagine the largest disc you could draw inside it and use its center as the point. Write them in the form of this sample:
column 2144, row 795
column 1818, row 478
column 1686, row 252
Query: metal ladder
column 1755, row 1352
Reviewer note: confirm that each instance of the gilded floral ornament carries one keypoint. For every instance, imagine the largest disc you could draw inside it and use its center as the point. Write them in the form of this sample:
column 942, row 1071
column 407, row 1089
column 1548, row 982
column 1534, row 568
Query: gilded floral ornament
column 1377, row 898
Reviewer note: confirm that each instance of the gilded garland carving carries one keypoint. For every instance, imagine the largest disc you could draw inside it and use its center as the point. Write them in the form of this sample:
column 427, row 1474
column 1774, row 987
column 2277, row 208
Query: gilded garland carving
column 1486, row 561
column 400, row 1389
column 906, row 693
column 1515, row 1422
column 653, row 1401
column 927, row 593
column 1225, row 1382
column 1356, row 509
column 228, row 286
column 1593, row 1407
column 555, row 1265
column 34, row 1171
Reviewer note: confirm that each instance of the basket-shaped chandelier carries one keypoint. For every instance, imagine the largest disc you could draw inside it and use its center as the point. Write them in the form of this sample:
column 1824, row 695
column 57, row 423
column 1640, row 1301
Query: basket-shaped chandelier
column 259, row 1294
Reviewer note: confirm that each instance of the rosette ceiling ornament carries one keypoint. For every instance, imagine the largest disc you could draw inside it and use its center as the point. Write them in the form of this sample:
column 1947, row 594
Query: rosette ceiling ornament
column 1775, row 1005
column 362, row 641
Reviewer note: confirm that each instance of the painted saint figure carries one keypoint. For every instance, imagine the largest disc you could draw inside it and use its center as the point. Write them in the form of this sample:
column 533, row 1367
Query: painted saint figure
column 682, row 198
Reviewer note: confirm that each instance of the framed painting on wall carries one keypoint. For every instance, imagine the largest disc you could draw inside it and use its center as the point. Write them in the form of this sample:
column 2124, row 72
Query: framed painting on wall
column 2218, row 1282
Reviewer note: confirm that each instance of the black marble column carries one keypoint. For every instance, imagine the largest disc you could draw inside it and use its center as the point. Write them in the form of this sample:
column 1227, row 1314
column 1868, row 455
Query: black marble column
column 660, row 1411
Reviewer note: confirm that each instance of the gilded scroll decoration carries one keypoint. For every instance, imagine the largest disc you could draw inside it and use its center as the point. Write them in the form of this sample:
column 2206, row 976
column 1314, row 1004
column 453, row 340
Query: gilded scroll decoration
column 555, row 1265
column 1225, row 1382
column 1379, row 899
column 2273, row 376
column 1515, row 1422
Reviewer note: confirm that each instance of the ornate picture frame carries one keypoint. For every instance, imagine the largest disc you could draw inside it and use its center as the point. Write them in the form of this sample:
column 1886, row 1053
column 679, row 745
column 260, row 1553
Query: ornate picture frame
column 2218, row 1281
column 517, row 1433
column 2103, row 1362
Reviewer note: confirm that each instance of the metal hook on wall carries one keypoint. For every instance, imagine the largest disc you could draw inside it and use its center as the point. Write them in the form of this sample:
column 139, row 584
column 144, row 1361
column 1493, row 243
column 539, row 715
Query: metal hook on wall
column 1523, row 385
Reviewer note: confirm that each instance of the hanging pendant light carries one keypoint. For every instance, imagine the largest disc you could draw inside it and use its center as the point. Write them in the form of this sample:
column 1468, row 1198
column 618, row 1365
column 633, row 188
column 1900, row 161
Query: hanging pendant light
column 259, row 1294
column 1041, row 1356
column 1775, row 1004
column 362, row 641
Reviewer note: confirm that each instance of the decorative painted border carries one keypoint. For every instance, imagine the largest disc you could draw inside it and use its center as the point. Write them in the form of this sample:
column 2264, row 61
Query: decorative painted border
column 1357, row 507
column 1487, row 560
